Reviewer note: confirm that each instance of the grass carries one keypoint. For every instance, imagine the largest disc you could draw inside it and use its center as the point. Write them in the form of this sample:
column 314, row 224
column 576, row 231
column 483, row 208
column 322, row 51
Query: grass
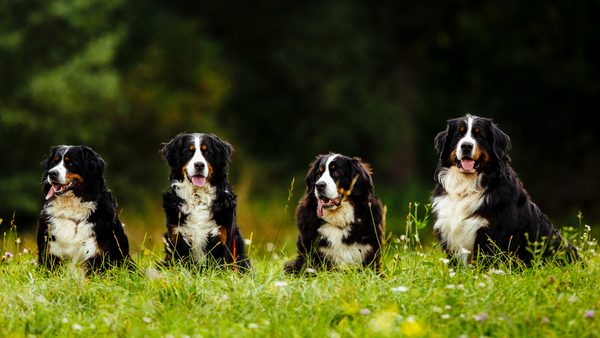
column 421, row 297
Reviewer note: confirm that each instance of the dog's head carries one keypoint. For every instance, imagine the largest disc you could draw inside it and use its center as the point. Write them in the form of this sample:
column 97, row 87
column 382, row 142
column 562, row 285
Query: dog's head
column 473, row 144
column 73, row 170
column 333, row 178
column 198, row 158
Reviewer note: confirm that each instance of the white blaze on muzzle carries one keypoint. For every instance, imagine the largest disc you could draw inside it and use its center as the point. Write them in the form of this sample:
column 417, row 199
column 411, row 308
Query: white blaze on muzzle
column 198, row 177
column 464, row 157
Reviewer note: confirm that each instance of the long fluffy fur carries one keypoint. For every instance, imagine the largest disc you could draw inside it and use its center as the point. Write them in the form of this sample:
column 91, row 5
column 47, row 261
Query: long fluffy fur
column 350, row 235
column 81, row 226
column 487, row 211
column 201, row 221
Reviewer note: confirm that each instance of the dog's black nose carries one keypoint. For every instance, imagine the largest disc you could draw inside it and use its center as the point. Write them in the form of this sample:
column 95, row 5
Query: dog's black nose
column 53, row 174
column 321, row 185
column 199, row 166
column 467, row 146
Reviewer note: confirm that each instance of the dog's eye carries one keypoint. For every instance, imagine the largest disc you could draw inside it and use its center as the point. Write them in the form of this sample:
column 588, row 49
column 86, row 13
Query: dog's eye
column 189, row 152
column 208, row 153
column 335, row 173
column 479, row 136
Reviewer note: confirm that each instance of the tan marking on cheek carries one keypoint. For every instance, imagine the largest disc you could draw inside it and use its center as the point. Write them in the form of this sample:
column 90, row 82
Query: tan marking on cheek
column 484, row 159
column 70, row 176
column 453, row 157
column 183, row 169
column 210, row 172
column 476, row 152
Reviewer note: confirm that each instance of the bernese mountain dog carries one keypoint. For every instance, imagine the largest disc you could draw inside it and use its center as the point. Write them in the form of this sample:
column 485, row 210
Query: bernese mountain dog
column 79, row 222
column 200, row 206
column 479, row 204
column 339, row 218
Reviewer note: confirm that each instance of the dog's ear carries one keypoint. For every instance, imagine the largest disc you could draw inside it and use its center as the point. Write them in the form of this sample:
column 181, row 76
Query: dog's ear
column 362, row 172
column 93, row 163
column 172, row 151
column 311, row 177
column 501, row 143
column 440, row 139
column 223, row 151
column 46, row 164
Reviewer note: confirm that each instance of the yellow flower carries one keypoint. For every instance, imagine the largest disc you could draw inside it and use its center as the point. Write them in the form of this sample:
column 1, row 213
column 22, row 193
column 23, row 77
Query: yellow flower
column 412, row 329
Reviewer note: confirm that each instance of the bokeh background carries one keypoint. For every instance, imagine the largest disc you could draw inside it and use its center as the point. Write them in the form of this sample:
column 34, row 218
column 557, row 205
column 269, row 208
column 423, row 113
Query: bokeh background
column 284, row 81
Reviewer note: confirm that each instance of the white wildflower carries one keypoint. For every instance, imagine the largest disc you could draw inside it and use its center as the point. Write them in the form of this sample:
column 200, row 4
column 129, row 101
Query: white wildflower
column 460, row 286
column 247, row 241
column 253, row 326
column 444, row 260
column 464, row 251
column 147, row 320
column 65, row 320
column 399, row 289
column 452, row 274
column 280, row 283
column 76, row 327
column 450, row 286
column 448, row 307
column 481, row 284
column 446, row 316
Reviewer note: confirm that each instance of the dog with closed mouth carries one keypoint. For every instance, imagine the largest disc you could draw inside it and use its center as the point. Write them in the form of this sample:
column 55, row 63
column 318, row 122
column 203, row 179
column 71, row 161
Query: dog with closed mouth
column 339, row 218
column 479, row 204
column 79, row 222
column 200, row 206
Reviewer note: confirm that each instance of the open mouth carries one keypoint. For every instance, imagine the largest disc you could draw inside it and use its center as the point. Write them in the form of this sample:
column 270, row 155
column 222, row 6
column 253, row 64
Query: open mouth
column 197, row 180
column 59, row 189
column 327, row 203
column 468, row 164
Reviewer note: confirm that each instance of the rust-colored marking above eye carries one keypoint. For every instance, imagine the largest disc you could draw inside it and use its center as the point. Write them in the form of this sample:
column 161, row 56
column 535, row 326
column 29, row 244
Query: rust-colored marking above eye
column 192, row 147
column 67, row 158
column 476, row 130
column 56, row 158
column 333, row 166
column 204, row 147
column 321, row 169
column 462, row 129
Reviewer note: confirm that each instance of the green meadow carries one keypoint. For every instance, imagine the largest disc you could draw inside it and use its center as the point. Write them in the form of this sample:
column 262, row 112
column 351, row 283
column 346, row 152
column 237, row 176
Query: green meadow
column 421, row 295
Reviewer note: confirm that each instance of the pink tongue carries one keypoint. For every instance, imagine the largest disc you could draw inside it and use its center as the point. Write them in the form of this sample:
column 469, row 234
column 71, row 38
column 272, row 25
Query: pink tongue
column 467, row 164
column 198, row 181
column 320, row 208
column 50, row 193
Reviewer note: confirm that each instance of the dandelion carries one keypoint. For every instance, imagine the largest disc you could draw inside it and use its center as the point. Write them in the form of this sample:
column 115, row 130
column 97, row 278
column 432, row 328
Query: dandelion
column 247, row 241
column 452, row 274
column 18, row 241
column 253, row 326
column 448, row 307
column 450, row 270
column 411, row 329
column 147, row 320
column 25, row 251
column 481, row 285
column 445, row 316
column 365, row 311
column 450, row 286
column 311, row 270
column 76, row 327
column 280, row 283
column 403, row 238
column 270, row 247
column 444, row 260
column 399, row 289
column 590, row 314
column 275, row 257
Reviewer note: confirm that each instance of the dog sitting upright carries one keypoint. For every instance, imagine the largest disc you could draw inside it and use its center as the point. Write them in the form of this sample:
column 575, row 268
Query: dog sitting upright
column 200, row 206
column 479, row 204
column 79, row 221
column 339, row 218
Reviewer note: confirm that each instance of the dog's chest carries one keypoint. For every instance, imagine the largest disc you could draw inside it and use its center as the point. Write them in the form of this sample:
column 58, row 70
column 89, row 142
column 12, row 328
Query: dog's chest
column 335, row 230
column 455, row 219
column 73, row 235
column 199, row 224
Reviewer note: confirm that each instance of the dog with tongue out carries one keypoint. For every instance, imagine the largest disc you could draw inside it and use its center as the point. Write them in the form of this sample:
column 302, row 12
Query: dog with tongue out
column 200, row 206
column 339, row 218
column 480, row 207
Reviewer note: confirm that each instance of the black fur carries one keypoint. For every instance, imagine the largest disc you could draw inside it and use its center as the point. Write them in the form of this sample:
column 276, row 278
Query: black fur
column 514, row 220
column 108, row 231
column 368, row 216
column 223, row 207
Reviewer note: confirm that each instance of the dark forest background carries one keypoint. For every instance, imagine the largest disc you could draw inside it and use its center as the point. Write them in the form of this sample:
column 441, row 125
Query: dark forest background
column 284, row 81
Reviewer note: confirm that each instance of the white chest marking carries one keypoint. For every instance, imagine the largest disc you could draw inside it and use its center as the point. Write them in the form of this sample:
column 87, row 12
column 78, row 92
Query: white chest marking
column 335, row 230
column 199, row 224
column 455, row 221
column 74, row 236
